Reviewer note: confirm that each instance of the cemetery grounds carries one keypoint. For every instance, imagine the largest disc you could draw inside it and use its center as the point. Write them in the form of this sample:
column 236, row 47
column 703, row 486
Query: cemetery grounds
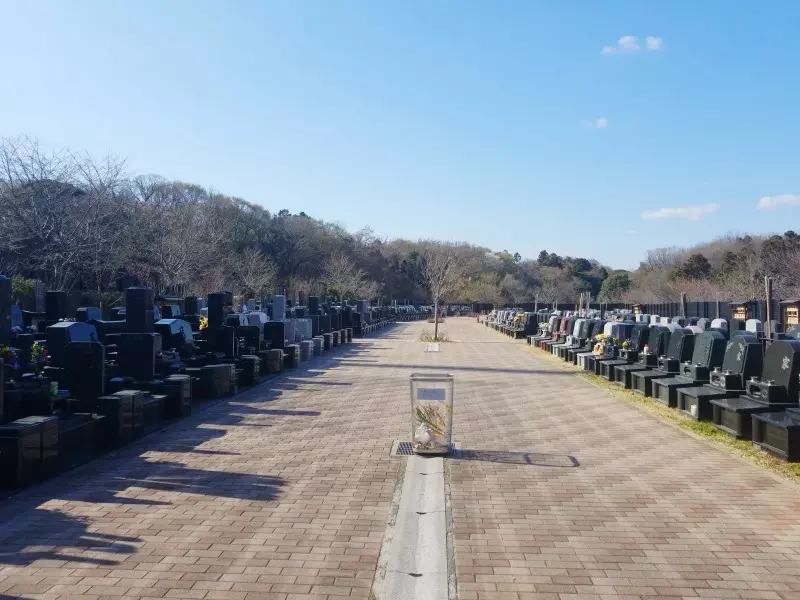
column 558, row 490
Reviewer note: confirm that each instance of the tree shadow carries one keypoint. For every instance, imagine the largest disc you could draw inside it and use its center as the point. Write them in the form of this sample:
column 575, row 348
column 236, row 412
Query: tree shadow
column 383, row 365
column 516, row 458
column 42, row 534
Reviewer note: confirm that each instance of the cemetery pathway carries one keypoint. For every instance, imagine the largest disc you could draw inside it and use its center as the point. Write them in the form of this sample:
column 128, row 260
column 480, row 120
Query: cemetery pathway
column 559, row 491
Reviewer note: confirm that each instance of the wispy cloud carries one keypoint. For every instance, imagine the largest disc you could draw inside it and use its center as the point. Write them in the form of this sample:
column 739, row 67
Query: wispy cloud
column 688, row 213
column 628, row 44
column 599, row 123
column 773, row 201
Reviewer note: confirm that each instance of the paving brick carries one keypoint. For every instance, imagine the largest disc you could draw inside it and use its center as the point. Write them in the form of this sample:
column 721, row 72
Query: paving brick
column 283, row 492
column 649, row 510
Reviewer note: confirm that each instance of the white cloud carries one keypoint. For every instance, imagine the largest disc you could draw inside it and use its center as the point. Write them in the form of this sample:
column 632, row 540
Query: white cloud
column 689, row 213
column 773, row 201
column 628, row 44
column 599, row 123
column 653, row 43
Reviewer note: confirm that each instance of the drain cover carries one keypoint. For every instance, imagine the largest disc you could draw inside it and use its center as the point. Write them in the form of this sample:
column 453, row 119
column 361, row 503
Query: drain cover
column 400, row 448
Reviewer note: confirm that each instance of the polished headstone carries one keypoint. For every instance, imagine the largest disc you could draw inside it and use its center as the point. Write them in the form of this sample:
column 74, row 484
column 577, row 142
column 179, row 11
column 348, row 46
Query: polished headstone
column 139, row 311
column 782, row 365
column 709, row 349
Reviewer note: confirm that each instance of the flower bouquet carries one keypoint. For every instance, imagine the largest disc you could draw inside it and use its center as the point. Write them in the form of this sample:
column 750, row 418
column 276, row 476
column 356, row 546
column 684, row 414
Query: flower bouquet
column 9, row 356
column 430, row 426
column 40, row 357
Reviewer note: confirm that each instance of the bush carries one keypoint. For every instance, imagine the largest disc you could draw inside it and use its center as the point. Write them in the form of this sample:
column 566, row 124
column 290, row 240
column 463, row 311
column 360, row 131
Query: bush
column 427, row 336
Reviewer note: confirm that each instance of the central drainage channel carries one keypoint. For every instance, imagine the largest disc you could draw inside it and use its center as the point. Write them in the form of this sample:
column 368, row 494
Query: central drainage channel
column 417, row 563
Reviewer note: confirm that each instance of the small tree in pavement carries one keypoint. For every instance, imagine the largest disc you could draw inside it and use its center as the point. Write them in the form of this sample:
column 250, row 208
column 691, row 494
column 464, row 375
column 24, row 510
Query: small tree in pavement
column 442, row 268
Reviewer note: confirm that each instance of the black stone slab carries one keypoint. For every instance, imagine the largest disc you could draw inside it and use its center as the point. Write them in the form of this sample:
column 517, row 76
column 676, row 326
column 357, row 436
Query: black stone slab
column 776, row 390
column 743, row 359
column 709, row 351
column 679, row 350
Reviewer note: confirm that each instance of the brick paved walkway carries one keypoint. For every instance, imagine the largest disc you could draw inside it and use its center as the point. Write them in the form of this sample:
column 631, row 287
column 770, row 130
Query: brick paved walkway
column 560, row 491
column 649, row 510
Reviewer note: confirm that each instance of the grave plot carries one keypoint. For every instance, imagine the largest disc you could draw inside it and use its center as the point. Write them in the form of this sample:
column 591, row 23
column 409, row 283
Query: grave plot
column 681, row 346
column 709, row 350
column 629, row 353
column 74, row 388
column 743, row 359
column 775, row 391
column 616, row 338
column 585, row 348
column 656, row 346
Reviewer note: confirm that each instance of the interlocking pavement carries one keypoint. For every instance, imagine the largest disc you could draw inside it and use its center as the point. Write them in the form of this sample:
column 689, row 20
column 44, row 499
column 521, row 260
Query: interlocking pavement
column 559, row 490
column 578, row 495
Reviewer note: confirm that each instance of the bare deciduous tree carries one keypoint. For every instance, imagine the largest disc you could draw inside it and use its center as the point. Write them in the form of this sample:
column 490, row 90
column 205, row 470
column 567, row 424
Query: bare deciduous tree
column 442, row 267
column 344, row 279
column 255, row 272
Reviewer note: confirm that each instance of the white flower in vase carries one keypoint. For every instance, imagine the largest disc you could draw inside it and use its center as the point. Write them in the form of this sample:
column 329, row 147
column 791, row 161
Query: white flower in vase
column 422, row 435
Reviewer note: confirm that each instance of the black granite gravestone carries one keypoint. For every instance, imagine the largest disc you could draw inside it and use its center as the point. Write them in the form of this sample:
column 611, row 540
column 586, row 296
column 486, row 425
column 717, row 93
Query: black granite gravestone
column 325, row 324
column 627, row 355
column 55, row 306
column 275, row 334
column 251, row 335
column 743, row 359
column 776, row 390
column 137, row 355
column 139, row 311
column 656, row 346
column 709, row 350
column 216, row 309
column 681, row 346
column 5, row 310
column 176, row 334
column 191, row 305
column 64, row 332
column 85, row 373
column 20, row 447
column 88, row 313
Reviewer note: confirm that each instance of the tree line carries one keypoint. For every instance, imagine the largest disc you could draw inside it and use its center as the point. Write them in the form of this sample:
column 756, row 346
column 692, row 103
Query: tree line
column 80, row 224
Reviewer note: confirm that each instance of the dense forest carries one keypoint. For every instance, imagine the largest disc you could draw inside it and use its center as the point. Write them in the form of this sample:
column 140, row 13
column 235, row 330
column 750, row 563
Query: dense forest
column 80, row 224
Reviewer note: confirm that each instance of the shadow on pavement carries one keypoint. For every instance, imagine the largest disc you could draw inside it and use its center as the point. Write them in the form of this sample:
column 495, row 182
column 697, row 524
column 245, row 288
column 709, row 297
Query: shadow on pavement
column 367, row 363
column 53, row 535
column 517, row 458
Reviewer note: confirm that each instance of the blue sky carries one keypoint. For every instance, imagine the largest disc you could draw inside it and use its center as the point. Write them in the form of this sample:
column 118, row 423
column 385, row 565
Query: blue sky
column 502, row 124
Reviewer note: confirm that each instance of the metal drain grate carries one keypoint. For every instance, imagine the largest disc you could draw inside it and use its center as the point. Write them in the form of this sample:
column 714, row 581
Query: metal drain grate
column 400, row 448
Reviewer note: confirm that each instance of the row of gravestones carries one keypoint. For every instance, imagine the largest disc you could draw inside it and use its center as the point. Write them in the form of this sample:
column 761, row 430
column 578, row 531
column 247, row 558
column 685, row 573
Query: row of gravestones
column 98, row 384
column 743, row 381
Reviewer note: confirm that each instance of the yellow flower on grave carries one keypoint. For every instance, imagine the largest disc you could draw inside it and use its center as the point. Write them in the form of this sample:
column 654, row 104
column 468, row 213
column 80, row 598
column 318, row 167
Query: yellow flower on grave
column 203, row 322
